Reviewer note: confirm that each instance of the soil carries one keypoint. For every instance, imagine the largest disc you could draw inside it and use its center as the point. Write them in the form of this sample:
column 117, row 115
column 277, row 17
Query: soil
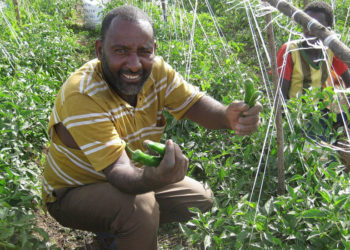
column 63, row 237
column 67, row 239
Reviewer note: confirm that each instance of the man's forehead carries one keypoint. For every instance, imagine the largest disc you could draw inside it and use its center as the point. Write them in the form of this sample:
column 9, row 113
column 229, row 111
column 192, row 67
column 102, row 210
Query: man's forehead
column 119, row 22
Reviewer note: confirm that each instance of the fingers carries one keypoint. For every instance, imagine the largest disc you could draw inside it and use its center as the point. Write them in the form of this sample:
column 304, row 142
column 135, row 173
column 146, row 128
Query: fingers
column 181, row 163
column 254, row 110
column 174, row 163
column 238, row 106
column 249, row 122
column 169, row 156
column 246, row 129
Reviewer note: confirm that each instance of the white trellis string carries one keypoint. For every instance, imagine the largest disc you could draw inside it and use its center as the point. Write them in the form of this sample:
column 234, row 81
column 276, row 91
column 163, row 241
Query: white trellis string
column 183, row 21
column 259, row 32
column 191, row 47
column 262, row 183
column 258, row 170
column 256, row 45
column 210, row 46
column 234, row 6
column 257, row 48
column 325, row 55
column 9, row 25
column 271, row 117
column 223, row 39
column 270, row 124
column 218, row 29
column 8, row 56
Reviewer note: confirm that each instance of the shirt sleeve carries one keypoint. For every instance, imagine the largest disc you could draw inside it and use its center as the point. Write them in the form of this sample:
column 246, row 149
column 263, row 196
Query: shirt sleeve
column 339, row 66
column 179, row 94
column 93, row 130
column 284, row 70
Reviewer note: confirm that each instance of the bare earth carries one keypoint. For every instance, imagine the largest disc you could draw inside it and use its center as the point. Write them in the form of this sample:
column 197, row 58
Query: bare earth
column 66, row 238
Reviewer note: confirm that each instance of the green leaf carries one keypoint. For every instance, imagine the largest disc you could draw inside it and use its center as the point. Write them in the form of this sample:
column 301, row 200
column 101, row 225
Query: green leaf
column 273, row 239
column 7, row 245
column 325, row 194
column 340, row 200
column 269, row 206
column 243, row 235
column 229, row 210
column 6, row 233
column 219, row 222
column 314, row 213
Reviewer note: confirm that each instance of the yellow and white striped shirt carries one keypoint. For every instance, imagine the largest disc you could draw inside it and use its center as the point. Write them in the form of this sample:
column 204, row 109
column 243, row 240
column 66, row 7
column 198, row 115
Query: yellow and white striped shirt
column 101, row 122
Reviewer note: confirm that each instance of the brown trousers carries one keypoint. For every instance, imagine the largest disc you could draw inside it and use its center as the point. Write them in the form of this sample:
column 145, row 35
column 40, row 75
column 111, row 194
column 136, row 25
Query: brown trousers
column 134, row 219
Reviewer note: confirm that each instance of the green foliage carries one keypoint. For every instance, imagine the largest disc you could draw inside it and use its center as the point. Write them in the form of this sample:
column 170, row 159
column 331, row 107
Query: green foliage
column 37, row 57
column 312, row 214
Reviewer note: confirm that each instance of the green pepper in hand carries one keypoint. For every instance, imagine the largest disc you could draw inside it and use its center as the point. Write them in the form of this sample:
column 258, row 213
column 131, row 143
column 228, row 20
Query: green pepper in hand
column 251, row 95
column 146, row 159
column 156, row 147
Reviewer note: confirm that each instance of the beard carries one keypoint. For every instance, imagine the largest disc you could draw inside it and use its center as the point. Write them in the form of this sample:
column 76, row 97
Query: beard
column 118, row 84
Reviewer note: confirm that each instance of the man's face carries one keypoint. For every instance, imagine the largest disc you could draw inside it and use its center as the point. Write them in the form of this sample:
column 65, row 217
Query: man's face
column 321, row 18
column 127, row 56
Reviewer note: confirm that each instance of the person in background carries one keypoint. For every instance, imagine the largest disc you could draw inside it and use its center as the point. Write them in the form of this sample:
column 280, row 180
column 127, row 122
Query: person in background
column 303, row 64
column 89, row 181
column 306, row 63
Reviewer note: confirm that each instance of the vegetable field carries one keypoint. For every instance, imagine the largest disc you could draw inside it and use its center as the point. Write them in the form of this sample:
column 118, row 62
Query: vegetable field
column 218, row 46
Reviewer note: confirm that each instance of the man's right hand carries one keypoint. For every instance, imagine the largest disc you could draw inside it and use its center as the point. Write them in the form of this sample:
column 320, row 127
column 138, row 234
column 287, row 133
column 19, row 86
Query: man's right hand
column 130, row 179
column 172, row 168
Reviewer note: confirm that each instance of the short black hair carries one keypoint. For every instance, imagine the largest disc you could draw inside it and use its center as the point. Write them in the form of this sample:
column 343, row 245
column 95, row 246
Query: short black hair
column 127, row 13
column 323, row 7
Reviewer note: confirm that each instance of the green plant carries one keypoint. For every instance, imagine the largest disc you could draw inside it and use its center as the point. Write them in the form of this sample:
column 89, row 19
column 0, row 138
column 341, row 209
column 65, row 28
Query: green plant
column 38, row 56
column 251, row 95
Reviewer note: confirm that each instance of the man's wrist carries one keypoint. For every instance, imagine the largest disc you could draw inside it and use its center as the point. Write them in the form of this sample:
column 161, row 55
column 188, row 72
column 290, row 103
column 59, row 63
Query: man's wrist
column 148, row 180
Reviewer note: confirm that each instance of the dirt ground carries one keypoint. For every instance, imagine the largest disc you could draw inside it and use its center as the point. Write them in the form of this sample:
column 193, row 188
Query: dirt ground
column 68, row 239
column 63, row 237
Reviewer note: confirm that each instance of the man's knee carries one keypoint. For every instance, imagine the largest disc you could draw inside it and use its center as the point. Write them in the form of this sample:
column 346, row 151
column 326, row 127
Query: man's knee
column 202, row 195
column 140, row 213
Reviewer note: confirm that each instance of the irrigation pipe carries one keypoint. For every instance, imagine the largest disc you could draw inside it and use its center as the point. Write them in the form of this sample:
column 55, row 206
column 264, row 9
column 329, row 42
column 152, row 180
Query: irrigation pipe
column 328, row 37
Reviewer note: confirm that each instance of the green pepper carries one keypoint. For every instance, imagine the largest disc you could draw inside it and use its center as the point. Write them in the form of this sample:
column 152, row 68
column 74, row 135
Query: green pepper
column 157, row 147
column 251, row 95
column 144, row 159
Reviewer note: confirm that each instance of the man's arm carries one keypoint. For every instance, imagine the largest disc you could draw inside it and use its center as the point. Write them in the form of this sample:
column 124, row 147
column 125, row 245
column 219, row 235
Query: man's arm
column 130, row 179
column 126, row 177
column 212, row 114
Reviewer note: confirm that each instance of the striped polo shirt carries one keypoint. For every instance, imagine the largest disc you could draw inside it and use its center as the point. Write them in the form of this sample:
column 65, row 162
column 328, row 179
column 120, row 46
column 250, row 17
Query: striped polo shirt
column 101, row 122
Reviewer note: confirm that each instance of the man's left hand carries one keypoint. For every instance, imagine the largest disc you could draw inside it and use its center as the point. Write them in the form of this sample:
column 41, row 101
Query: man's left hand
column 242, row 119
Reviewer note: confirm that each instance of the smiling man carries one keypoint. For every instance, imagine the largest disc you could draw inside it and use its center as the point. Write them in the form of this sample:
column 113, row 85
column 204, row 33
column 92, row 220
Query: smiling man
column 127, row 56
column 89, row 181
